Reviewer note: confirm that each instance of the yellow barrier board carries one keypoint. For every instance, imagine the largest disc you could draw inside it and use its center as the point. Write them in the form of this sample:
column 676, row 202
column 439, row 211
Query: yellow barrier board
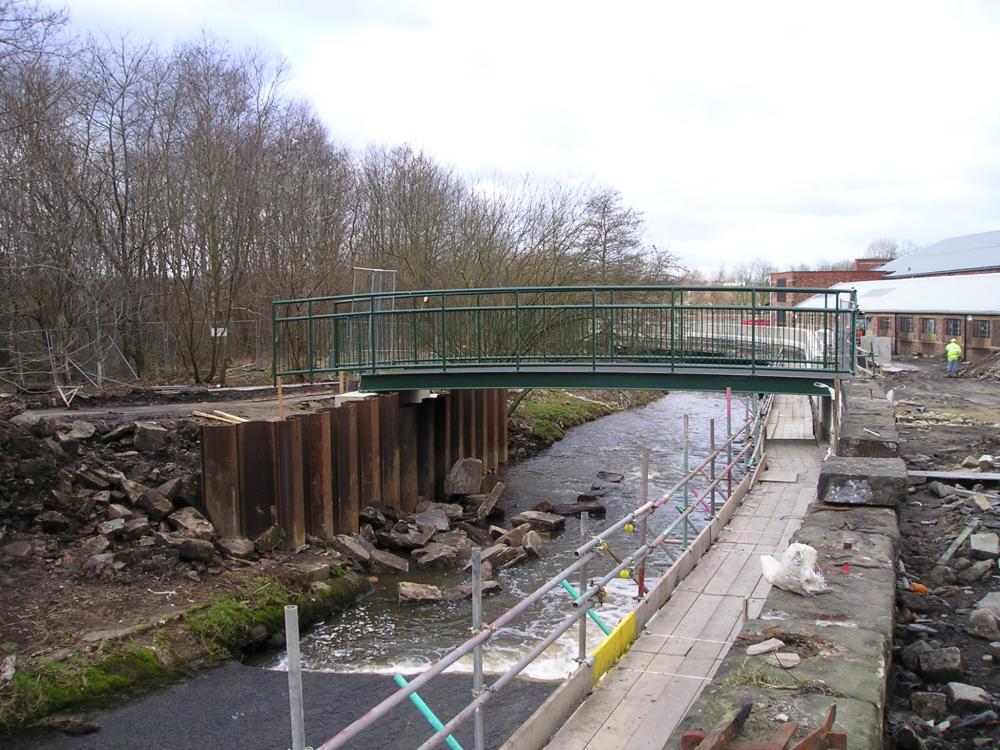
column 614, row 646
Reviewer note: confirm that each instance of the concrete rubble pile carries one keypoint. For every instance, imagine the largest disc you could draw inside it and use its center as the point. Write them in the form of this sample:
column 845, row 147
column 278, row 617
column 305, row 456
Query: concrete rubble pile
column 104, row 500
column 947, row 646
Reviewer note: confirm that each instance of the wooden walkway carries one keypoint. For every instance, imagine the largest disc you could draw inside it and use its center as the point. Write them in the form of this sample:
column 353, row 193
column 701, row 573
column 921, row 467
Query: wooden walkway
column 642, row 699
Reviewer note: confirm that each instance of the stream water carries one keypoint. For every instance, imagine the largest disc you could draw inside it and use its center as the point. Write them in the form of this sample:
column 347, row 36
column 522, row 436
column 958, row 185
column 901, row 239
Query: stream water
column 380, row 635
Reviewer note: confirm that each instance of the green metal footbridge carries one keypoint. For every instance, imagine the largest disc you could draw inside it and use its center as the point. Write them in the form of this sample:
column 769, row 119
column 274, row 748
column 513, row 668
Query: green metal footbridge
column 646, row 337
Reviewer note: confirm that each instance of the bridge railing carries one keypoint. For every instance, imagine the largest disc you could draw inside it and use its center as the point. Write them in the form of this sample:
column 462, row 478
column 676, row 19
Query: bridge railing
column 584, row 327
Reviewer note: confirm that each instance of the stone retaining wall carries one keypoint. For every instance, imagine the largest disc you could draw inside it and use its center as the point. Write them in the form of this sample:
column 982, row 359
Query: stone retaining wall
column 843, row 637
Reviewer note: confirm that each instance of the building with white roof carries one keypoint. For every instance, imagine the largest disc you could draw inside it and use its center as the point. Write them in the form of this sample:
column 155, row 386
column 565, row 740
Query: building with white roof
column 921, row 314
column 971, row 253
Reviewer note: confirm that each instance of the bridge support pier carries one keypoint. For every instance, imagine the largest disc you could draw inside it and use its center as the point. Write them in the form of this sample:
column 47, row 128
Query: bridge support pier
column 825, row 418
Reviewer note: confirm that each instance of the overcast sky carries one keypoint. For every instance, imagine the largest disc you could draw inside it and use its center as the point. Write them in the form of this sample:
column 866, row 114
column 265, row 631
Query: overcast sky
column 792, row 131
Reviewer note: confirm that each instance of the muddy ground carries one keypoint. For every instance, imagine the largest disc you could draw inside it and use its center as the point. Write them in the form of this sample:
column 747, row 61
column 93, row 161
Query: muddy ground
column 942, row 422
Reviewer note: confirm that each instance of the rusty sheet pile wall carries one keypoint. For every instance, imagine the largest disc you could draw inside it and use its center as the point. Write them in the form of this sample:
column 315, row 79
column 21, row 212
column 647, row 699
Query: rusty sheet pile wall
column 313, row 473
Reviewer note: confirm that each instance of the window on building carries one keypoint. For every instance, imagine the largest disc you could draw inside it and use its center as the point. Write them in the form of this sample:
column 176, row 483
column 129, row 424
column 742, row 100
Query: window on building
column 928, row 325
column 981, row 329
column 883, row 324
column 780, row 296
column 953, row 326
column 906, row 325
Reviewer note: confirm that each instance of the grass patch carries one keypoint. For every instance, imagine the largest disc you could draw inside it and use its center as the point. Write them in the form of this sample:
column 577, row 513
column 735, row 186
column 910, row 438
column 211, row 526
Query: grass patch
column 156, row 655
column 39, row 688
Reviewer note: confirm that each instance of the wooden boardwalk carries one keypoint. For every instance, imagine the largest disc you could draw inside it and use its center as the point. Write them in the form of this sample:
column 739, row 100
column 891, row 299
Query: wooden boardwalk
column 642, row 699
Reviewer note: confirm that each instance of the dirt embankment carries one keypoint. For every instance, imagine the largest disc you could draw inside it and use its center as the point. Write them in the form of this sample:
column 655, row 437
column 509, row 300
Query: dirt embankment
column 111, row 576
column 946, row 662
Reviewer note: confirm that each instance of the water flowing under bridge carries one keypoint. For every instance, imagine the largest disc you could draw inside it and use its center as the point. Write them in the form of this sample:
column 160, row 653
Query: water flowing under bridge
column 649, row 337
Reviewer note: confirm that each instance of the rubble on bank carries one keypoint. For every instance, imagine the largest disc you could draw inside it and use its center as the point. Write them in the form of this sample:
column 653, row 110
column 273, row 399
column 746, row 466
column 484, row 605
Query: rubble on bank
column 945, row 677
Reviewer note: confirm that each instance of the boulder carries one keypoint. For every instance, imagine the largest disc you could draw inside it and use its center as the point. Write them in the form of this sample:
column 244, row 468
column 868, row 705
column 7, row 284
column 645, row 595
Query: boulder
column 25, row 419
column 539, row 520
column 94, row 545
column 457, row 538
column 200, row 550
column 465, row 477
column 99, row 564
column 372, row 515
column 515, row 536
column 464, row 591
column 533, row 543
column 386, row 562
column 765, row 647
column 310, row 571
column 78, row 431
column 118, row 511
column 133, row 490
column 962, row 697
column 157, row 507
column 435, row 518
column 436, row 555
column 985, row 546
column 172, row 488
column 477, row 535
column 418, row 593
column 117, row 433
column 149, row 436
column 191, row 523
column 977, row 571
column 499, row 555
column 111, row 529
column 20, row 550
column 983, row 623
column 269, row 539
column 486, row 508
column 354, row 547
column 136, row 527
column 610, row 476
column 783, row 659
column 406, row 536
column 929, row 706
column 90, row 479
column 236, row 546
column 941, row 664
column 990, row 601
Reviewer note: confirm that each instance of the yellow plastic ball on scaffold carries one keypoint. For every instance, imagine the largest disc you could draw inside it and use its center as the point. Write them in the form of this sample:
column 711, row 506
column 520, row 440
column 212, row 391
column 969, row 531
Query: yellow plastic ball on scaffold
column 629, row 528
column 624, row 574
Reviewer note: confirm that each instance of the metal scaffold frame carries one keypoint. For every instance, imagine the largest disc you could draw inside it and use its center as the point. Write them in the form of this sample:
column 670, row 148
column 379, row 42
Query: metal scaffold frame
column 708, row 486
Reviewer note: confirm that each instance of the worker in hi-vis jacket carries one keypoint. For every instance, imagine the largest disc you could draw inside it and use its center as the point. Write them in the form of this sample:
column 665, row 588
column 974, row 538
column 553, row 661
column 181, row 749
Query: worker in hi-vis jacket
column 953, row 351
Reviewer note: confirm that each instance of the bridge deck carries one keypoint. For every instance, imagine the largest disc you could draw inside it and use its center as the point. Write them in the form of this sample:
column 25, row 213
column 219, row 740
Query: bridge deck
column 679, row 378
column 640, row 702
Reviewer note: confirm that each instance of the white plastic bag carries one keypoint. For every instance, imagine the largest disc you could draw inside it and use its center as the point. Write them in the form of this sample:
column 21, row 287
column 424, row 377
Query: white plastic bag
column 796, row 571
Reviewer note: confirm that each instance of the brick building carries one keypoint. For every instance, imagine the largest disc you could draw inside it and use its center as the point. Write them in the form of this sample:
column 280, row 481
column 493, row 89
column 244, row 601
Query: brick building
column 920, row 315
column 864, row 270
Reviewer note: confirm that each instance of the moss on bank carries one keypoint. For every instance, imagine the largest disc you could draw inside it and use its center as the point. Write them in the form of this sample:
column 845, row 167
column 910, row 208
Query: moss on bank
column 154, row 656
column 543, row 416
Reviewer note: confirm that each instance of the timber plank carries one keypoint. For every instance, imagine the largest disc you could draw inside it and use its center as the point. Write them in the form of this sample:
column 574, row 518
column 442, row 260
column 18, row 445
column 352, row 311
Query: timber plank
column 409, row 419
column 320, row 520
column 348, row 489
column 291, row 485
column 389, row 448
column 369, row 452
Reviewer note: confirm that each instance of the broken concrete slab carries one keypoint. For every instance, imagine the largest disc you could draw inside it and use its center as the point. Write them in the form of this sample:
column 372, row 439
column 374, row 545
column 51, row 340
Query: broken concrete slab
column 465, row 477
column 941, row 664
column 764, row 647
column 985, row 545
column 540, row 520
column 962, row 697
column 410, row 592
column 863, row 481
